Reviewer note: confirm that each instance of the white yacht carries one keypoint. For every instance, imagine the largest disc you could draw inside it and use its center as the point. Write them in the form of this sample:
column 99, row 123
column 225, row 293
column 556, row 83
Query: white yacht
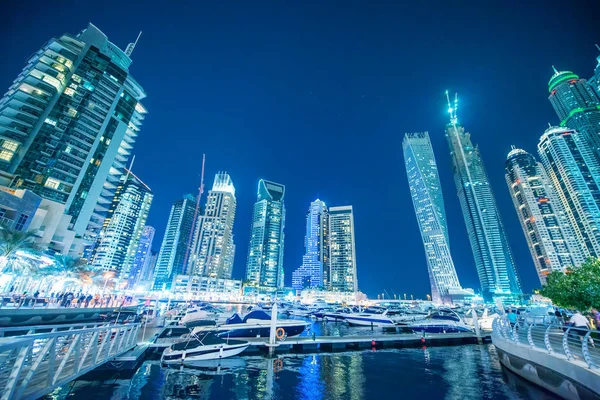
column 200, row 348
column 369, row 317
column 256, row 324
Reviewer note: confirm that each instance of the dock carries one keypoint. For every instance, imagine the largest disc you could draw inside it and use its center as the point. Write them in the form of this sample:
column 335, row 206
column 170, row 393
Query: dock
column 301, row 344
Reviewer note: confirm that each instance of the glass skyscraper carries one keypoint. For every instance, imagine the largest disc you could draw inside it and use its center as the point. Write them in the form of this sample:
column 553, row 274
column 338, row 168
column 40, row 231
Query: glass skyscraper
column 342, row 250
column 123, row 226
column 315, row 262
column 67, row 126
column 142, row 256
column 428, row 202
column 549, row 234
column 574, row 170
column 265, row 251
column 213, row 250
column 491, row 250
column 171, row 257
column 577, row 105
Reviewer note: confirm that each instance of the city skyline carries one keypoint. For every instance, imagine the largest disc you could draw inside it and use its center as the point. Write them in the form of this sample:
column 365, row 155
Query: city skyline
column 178, row 171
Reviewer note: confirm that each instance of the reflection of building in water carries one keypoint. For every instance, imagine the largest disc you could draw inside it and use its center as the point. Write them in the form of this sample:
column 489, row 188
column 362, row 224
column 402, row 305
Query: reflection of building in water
column 310, row 385
column 184, row 385
column 460, row 370
column 343, row 376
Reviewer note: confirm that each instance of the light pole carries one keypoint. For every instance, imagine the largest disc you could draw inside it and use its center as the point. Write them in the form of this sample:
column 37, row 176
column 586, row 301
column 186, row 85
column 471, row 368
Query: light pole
column 404, row 296
column 107, row 275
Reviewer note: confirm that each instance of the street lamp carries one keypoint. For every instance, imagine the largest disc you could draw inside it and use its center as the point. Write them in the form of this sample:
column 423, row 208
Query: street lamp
column 404, row 296
column 428, row 297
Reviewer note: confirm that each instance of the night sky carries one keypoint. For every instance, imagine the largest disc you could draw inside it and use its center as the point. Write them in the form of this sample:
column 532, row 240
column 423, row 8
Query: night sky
column 317, row 95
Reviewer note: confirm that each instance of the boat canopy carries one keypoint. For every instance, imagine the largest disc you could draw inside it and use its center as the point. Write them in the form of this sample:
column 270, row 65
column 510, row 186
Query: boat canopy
column 257, row 314
column 234, row 319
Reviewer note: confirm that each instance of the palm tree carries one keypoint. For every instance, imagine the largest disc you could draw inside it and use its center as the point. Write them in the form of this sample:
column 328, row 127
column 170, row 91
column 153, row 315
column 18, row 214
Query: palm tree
column 12, row 244
column 73, row 268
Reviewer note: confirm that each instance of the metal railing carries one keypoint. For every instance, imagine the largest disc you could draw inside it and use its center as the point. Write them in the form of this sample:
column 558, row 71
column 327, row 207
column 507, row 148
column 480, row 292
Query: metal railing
column 34, row 365
column 578, row 345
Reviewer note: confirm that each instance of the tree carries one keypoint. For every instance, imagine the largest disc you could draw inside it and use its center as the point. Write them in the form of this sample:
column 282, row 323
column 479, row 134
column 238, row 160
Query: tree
column 578, row 288
column 12, row 244
column 71, row 268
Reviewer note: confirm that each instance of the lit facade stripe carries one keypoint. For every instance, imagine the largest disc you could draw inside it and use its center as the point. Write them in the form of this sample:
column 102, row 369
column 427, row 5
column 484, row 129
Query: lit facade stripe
column 342, row 250
column 315, row 262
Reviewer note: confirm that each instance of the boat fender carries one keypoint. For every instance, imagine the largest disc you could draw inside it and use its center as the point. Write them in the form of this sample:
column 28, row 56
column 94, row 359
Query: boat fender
column 422, row 340
column 373, row 343
column 279, row 333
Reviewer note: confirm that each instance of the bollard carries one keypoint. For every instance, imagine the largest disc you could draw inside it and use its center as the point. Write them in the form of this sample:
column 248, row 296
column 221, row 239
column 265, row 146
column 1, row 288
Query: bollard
column 314, row 336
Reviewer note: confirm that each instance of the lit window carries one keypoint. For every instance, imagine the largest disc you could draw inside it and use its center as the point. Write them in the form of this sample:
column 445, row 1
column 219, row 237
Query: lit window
column 50, row 121
column 72, row 112
column 10, row 145
column 68, row 149
column 76, row 78
column 52, row 183
column 69, row 92
column 6, row 155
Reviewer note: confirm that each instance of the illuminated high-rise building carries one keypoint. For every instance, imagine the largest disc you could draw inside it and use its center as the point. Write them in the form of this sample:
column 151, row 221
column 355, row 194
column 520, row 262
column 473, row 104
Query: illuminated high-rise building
column 342, row 250
column 549, row 234
column 315, row 263
column 67, row 126
column 574, row 170
column 428, row 202
column 123, row 226
column 577, row 105
column 213, row 250
column 491, row 250
column 265, row 251
column 171, row 257
column 142, row 258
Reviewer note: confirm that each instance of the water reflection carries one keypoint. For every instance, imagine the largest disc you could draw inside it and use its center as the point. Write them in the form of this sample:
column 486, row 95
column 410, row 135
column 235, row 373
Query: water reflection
column 461, row 372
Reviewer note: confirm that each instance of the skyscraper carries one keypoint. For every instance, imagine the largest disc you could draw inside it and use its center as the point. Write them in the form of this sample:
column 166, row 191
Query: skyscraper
column 550, row 237
column 170, row 261
column 213, row 250
column 575, row 173
column 265, row 251
column 142, row 256
column 67, row 127
column 428, row 202
column 493, row 257
column 315, row 263
column 342, row 250
column 577, row 105
column 123, row 226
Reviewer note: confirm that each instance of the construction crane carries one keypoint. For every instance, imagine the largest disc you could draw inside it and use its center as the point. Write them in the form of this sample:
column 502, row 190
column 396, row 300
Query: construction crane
column 193, row 231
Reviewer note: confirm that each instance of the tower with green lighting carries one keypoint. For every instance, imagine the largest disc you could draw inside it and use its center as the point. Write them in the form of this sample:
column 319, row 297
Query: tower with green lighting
column 577, row 105
column 493, row 257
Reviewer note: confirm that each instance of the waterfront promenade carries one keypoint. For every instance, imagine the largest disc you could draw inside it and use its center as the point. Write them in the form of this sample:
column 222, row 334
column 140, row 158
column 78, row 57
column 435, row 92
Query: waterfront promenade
column 561, row 359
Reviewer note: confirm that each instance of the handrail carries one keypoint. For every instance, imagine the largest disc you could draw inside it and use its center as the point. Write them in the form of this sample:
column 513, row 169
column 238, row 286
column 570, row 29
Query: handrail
column 35, row 364
column 577, row 345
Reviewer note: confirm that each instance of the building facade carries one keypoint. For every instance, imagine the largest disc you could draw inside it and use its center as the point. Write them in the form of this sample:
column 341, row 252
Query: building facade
column 493, row 257
column 315, row 263
column 574, row 171
column 18, row 208
column 142, row 257
column 171, row 257
column 207, row 288
column 265, row 251
column 67, row 126
column 123, row 226
column 342, row 250
column 577, row 105
column 214, row 250
column 428, row 202
column 549, row 234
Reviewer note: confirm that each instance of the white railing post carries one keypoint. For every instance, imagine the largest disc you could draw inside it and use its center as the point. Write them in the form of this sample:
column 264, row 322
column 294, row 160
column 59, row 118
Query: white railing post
column 565, row 343
column 547, row 339
column 13, row 378
column 529, row 338
column 585, row 350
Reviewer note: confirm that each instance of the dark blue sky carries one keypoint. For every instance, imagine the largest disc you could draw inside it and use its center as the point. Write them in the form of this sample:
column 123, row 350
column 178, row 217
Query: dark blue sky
column 317, row 95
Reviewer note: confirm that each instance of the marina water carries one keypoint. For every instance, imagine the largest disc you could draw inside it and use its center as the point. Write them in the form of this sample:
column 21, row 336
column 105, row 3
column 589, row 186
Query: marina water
column 456, row 372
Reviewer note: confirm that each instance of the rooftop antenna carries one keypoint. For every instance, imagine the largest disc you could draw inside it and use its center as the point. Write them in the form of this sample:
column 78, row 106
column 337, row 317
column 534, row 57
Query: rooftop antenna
column 549, row 125
column 452, row 108
column 598, row 47
column 193, row 231
column 131, row 46
column 555, row 71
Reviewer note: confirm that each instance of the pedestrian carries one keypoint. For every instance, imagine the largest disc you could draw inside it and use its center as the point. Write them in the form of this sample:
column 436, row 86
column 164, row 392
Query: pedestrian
column 596, row 316
column 35, row 297
column 512, row 317
column 88, row 298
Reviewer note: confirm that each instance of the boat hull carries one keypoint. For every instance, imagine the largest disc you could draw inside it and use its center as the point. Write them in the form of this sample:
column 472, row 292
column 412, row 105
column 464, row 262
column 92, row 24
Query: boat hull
column 368, row 321
column 211, row 352
column 259, row 331
column 440, row 328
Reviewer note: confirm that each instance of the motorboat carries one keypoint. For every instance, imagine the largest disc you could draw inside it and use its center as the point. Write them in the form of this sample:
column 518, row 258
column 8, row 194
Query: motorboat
column 441, row 321
column 299, row 311
column 369, row 317
column 485, row 319
column 335, row 315
column 200, row 315
column 255, row 324
column 207, row 346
